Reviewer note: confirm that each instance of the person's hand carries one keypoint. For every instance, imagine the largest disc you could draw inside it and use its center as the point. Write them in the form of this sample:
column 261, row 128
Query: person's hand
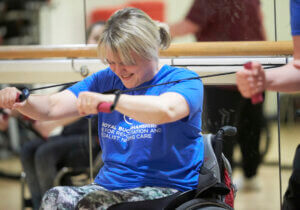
column 87, row 102
column 251, row 82
column 9, row 98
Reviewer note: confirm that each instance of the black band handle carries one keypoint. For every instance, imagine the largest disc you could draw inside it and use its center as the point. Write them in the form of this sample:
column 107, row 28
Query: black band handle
column 23, row 96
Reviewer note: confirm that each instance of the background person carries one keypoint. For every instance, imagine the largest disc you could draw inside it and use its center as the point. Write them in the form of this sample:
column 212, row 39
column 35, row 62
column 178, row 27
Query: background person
column 43, row 158
column 283, row 79
column 230, row 20
column 94, row 32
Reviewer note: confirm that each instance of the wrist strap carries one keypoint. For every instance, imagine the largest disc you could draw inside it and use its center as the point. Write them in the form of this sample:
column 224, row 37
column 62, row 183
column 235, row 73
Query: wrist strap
column 117, row 96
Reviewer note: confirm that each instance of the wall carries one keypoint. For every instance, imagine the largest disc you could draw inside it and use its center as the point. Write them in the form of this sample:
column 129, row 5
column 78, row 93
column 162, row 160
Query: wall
column 282, row 19
column 62, row 22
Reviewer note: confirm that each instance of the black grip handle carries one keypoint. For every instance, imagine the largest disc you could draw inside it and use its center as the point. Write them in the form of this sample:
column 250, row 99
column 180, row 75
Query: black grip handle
column 218, row 143
column 24, row 95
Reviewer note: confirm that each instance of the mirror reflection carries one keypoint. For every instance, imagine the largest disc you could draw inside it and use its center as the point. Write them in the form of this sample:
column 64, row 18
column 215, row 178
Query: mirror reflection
column 49, row 22
column 255, row 155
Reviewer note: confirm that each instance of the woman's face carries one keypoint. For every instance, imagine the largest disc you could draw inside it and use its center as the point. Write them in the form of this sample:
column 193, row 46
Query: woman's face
column 133, row 75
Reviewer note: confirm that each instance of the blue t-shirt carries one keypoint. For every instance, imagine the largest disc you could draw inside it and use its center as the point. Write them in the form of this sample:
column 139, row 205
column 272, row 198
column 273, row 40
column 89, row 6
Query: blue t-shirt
column 295, row 17
column 137, row 154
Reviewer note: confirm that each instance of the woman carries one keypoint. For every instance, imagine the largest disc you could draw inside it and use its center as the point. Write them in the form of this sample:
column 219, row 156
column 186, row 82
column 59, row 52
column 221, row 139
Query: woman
column 151, row 143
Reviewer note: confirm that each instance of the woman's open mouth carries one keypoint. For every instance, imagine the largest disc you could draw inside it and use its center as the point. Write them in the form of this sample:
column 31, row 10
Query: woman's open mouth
column 126, row 77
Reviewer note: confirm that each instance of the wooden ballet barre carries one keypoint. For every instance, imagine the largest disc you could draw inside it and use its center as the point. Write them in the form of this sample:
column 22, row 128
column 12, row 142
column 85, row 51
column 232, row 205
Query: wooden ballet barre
column 253, row 48
column 257, row 48
column 48, row 51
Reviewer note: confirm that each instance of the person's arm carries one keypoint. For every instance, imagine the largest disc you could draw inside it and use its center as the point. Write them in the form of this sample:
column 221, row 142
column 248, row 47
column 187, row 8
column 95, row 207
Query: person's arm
column 296, row 45
column 41, row 107
column 165, row 108
column 194, row 21
column 45, row 128
column 183, row 28
column 282, row 79
column 263, row 29
column 168, row 107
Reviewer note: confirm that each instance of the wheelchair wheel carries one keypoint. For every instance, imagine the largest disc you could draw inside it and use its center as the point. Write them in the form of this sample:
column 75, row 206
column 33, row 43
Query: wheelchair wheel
column 204, row 204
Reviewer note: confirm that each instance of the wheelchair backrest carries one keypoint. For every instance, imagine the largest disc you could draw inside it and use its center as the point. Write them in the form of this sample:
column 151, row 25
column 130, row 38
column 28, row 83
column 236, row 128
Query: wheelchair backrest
column 210, row 159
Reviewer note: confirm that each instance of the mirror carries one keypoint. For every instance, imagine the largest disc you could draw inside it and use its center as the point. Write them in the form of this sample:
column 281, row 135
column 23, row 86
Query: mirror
column 59, row 22
column 289, row 118
column 50, row 23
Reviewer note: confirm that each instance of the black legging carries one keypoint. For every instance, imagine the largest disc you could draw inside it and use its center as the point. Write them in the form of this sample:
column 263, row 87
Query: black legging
column 225, row 106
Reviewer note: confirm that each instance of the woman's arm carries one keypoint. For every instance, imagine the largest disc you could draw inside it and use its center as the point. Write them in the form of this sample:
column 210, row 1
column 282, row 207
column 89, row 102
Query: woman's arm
column 165, row 108
column 50, row 107
column 168, row 107
column 41, row 107
column 45, row 128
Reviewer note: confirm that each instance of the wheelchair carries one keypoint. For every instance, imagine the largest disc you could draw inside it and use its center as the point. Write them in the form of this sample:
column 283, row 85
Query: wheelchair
column 215, row 190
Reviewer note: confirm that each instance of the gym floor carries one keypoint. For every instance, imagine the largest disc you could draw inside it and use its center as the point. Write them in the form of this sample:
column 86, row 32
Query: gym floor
column 266, row 198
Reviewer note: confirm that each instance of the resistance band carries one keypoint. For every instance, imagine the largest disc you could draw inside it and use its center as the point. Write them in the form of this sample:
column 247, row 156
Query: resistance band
column 109, row 107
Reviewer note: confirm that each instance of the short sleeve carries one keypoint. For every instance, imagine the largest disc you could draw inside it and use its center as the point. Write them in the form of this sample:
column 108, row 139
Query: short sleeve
column 100, row 81
column 295, row 17
column 192, row 91
column 200, row 13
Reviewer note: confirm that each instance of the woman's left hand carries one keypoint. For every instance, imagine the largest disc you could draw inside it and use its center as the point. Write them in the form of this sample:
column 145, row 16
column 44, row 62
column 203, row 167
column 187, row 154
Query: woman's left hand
column 87, row 102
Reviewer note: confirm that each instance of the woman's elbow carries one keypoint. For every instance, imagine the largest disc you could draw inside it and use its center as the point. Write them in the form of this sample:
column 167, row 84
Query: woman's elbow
column 171, row 114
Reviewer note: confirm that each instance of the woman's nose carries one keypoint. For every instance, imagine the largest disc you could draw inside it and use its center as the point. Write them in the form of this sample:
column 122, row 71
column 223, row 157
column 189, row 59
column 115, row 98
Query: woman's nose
column 119, row 68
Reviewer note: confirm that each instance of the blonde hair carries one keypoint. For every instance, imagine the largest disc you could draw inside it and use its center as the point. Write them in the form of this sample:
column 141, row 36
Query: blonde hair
column 130, row 30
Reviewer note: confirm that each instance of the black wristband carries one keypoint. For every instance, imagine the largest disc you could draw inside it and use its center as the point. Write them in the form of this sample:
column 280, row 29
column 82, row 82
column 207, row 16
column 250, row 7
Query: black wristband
column 118, row 94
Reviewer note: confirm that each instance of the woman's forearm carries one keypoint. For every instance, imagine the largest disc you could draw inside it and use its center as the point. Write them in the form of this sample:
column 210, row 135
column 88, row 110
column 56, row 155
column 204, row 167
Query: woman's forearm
column 166, row 108
column 50, row 107
column 36, row 107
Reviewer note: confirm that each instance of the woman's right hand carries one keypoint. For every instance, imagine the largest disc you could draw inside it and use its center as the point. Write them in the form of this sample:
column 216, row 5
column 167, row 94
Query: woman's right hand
column 9, row 98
